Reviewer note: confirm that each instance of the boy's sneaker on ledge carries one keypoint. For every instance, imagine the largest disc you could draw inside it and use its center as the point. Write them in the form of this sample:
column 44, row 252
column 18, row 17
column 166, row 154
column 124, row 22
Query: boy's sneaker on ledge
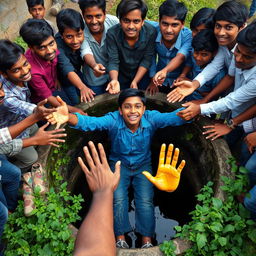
column 122, row 244
column 146, row 245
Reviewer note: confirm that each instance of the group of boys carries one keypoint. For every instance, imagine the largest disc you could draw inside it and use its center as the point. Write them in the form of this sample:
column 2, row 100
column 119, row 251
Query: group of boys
column 95, row 52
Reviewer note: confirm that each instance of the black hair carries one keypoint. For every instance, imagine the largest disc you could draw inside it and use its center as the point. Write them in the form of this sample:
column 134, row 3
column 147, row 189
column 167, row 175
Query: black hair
column 173, row 8
column 9, row 54
column 205, row 40
column 126, row 6
column 131, row 92
column 35, row 31
column 83, row 4
column 203, row 16
column 69, row 18
column 232, row 11
column 32, row 3
column 247, row 37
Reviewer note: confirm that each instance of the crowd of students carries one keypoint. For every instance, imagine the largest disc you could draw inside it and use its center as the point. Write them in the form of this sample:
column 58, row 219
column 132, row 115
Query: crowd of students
column 211, row 66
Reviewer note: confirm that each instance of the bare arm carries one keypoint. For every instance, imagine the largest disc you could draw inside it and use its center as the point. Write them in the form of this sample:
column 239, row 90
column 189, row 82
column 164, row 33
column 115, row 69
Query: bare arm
column 98, row 224
column 86, row 94
column 139, row 75
column 39, row 113
column 97, row 68
column 223, row 85
column 160, row 76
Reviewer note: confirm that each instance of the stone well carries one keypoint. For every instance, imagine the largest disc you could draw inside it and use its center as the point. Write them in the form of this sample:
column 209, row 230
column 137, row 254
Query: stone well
column 206, row 160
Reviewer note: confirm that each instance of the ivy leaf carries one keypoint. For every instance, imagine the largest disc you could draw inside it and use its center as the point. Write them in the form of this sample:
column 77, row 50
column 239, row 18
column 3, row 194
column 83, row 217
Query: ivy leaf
column 217, row 203
column 228, row 228
column 201, row 240
column 222, row 241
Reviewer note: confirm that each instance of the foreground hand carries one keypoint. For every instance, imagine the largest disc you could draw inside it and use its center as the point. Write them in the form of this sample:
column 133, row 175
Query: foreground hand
column 43, row 137
column 190, row 112
column 86, row 94
column 167, row 177
column 41, row 111
column 99, row 177
column 250, row 140
column 99, row 70
column 60, row 116
column 184, row 88
column 159, row 77
column 152, row 89
column 215, row 131
column 113, row 87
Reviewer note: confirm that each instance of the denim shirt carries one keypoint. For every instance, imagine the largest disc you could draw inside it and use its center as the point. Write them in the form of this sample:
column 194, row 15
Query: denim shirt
column 133, row 149
column 165, row 55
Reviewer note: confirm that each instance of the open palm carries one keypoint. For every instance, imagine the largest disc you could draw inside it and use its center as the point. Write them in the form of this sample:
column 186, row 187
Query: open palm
column 167, row 177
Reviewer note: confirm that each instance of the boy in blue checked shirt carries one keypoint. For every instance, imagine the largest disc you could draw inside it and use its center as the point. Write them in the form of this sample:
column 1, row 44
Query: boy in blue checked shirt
column 130, row 129
column 172, row 44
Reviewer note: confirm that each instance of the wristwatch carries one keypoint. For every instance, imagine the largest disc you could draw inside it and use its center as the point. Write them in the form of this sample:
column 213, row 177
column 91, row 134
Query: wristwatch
column 230, row 123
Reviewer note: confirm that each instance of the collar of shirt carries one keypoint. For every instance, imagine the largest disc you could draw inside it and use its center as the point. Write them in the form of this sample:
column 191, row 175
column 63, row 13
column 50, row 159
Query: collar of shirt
column 142, row 38
column 90, row 37
column 9, row 86
column 247, row 73
column 177, row 44
column 144, row 123
column 41, row 62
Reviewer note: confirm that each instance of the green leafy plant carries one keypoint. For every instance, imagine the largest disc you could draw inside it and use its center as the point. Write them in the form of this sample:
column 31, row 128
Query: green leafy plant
column 47, row 231
column 219, row 227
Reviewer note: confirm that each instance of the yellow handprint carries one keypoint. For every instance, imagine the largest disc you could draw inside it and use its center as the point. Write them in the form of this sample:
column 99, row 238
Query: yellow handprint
column 167, row 177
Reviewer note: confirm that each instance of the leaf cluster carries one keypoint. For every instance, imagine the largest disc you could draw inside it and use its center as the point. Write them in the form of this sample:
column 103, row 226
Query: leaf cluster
column 219, row 227
column 47, row 231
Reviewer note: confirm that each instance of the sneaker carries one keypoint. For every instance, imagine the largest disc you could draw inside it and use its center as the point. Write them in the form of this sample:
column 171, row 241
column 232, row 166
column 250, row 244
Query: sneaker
column 122, row 244
column 146, row 245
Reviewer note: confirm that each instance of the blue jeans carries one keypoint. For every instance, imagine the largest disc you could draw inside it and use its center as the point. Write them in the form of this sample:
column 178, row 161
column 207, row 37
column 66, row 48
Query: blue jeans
column 249, row 162
column 99, row 89
column 10, row 182
column 250, row 202
column 143, row 198
column 72, row 93
column 3, row 219
column 252, row 8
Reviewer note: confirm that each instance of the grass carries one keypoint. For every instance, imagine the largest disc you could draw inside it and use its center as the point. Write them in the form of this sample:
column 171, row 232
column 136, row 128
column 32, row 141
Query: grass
column 192, row 5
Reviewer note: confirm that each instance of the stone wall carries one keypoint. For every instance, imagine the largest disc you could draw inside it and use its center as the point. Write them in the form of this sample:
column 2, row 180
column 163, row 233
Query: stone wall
column 12, row 15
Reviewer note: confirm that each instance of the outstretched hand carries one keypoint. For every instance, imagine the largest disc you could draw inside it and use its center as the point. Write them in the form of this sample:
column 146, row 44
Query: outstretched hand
column 60, row 116
column 167, row 177
column 99, row 177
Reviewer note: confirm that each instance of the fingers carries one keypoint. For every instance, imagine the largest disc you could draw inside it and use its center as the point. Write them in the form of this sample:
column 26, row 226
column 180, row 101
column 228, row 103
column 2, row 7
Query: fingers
column 175, row 96
column 59, row 99
column 95, row 155
column 149, row 177
column 41, row 103
column 103, row 157
column 108, row 86
column 44, row 126
column 83, row 166
column 162, row 155
column 57, row 126
column 181, row 166
column 175, row 157
column 169, row 154
column 117, row 173
column 88, row 157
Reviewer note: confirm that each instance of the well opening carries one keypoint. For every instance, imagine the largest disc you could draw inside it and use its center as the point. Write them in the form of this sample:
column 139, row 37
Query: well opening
column 205, row 161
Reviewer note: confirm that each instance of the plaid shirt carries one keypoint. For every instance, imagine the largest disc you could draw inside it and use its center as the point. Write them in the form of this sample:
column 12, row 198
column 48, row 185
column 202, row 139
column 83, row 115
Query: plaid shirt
column 7, row 144
column 16, row 105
